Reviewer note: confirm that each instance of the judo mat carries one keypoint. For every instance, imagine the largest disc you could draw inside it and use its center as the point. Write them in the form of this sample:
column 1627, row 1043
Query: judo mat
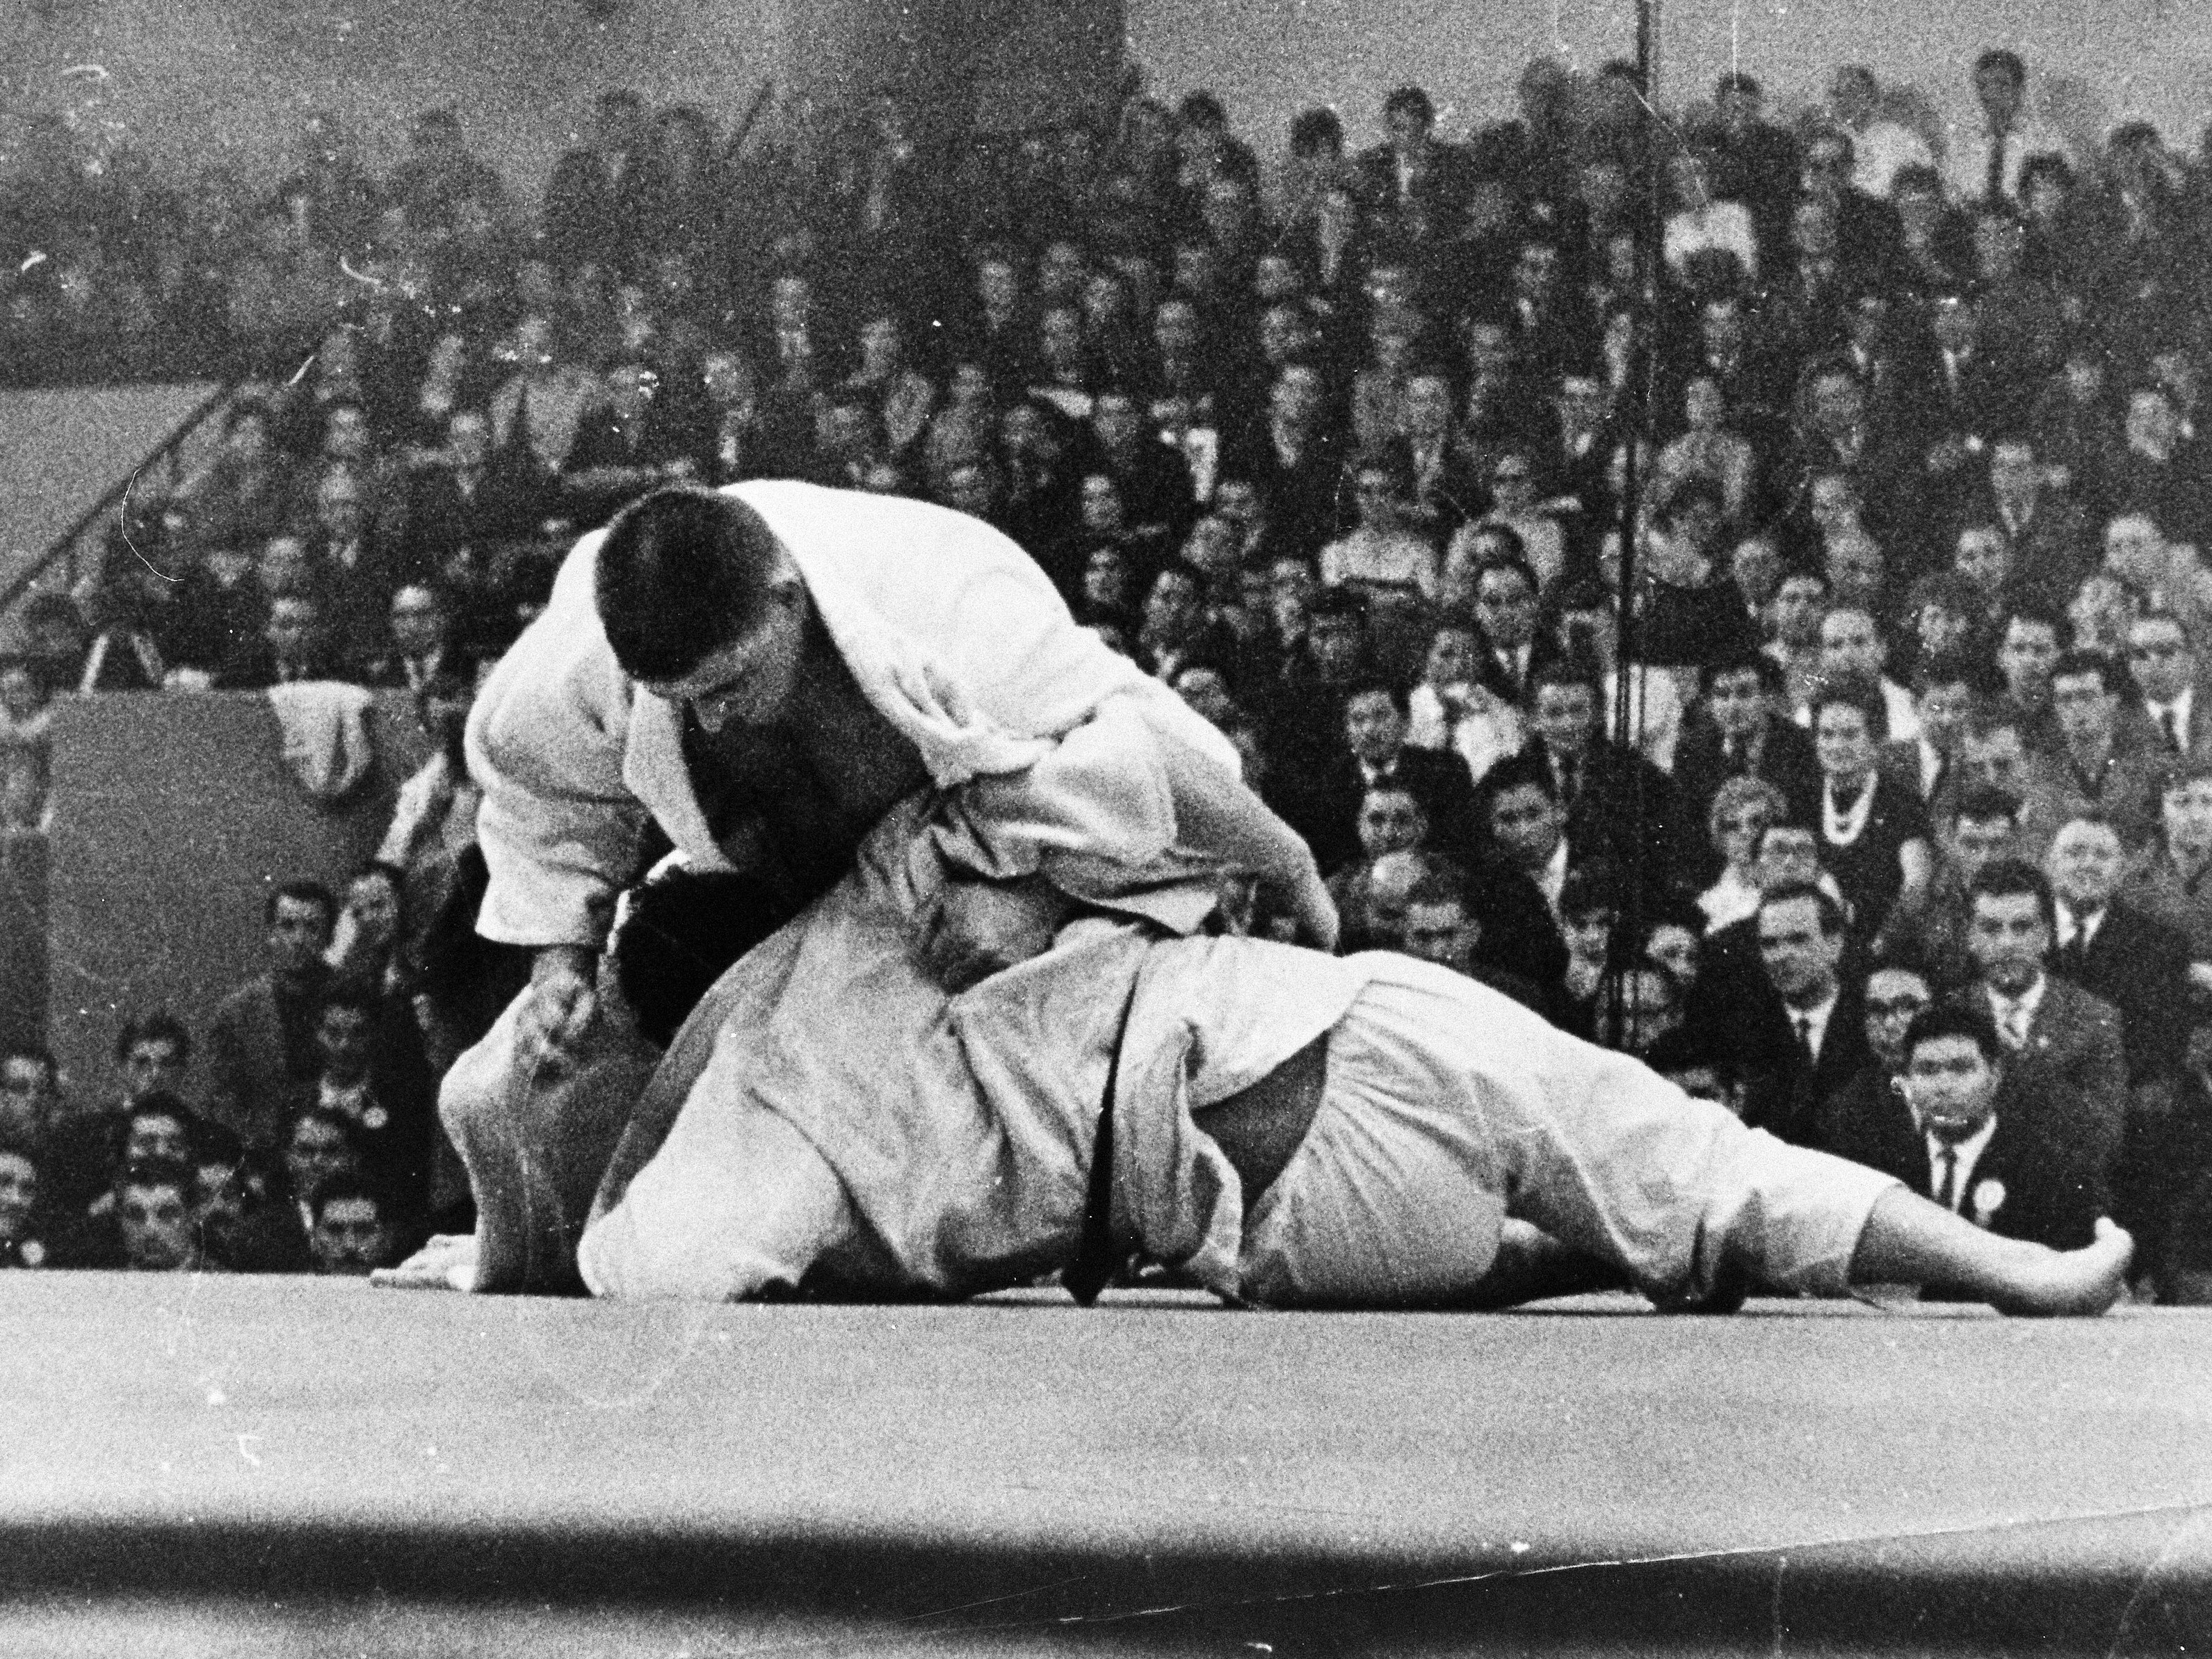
column 222, row 1466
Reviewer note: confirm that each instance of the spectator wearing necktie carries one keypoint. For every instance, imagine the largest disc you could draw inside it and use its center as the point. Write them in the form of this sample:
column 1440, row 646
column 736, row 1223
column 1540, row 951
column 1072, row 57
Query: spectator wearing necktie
column 2067, row 1074
column 1974, row 1155
column 2163, row 664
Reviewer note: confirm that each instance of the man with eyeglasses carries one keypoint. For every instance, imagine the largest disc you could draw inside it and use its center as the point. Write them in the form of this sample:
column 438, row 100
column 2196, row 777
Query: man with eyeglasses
column 1864, row 1120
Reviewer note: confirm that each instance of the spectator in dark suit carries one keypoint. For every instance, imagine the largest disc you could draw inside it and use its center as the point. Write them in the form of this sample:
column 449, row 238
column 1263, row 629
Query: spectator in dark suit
column 355, row 1231
column 1376, row 753
column 1442, row 926
column 592, row 200
column 2100, row 768
column 1416, row 190
column 422, row 657
column 1508, row 605
column 1931, row 930
column 378, row 1084
column 1973, row 1150
column 293, row 647
column 1929, row 764
column 2163, row 663
column 2067, row 1065
column 1618, row 804
column 261, row 1043
column 1741, row 731
column 1805, row 1038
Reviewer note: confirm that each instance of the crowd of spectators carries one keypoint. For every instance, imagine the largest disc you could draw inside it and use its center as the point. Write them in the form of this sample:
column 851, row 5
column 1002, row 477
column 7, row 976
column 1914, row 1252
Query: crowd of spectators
column 1894, row 704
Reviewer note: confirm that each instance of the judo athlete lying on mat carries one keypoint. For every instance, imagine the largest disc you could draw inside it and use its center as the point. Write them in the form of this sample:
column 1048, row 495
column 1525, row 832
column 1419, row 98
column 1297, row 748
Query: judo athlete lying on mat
column 759, row 673
column 1279, row 1126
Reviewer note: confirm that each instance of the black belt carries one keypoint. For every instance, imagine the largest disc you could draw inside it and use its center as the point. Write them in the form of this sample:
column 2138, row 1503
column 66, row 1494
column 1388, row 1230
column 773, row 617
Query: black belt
column 1097, row 1257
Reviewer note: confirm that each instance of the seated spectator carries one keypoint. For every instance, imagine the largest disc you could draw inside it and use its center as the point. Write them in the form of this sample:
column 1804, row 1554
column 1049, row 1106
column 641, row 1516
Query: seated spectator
column 81, row 1150
column 1517, row 505
column 1507, row 599
column 1931, row 763
column 154, row 1230
column 2096, row 770
column 1708, row 448
column 245, row 1223
column 1441, row 926
column 2028, row 649
column 353, row 1233
column 1932, row 929
column 1370, row 917
column 2068, row 1064
column 294, row 646
column 318, row 1146
column 1866, row 1114
column 1375, row 752
column 369, row 947
column 1805, row 1037
column 1742, row 810
column 1697, row 1065
column 1672, row 944
column 261, row 1043
column 1739, row 732
column 2101, row 609
column 1800, row 602
column 2163, row 664
column 1589, row 926
column 1590, row 636
column 1617, row 803
column 1960, row 1137
column 1452, row 710
column 2173, row 881
column 384, row 1094
column 422, row 657
column 1153, row 480
column 1176, row 631
column 1691, row 611
column 1874, row 835
column 1852, row 655
column 1394, row 567
column 21, row 1216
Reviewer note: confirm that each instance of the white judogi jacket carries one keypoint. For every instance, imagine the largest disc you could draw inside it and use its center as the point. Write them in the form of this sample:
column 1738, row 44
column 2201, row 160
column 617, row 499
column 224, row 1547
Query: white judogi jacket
column 937, row 615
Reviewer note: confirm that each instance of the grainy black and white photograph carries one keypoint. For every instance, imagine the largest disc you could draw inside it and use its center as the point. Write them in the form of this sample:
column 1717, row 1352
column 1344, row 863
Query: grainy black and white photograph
column 942, row 828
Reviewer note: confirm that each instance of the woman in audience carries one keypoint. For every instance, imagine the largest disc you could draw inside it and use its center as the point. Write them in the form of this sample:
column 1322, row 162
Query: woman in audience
column 1739, row 815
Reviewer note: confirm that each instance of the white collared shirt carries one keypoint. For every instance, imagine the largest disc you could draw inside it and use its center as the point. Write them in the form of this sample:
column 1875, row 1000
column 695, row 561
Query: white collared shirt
column 2071, row 923
column 1969, row 1152
column 2179, row 708
column 1551, row 879
column 2026, row 1004
column 1813, row 1023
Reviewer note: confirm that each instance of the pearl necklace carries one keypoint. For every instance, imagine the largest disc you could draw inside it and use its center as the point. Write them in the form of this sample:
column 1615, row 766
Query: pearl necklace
column 1844, row 829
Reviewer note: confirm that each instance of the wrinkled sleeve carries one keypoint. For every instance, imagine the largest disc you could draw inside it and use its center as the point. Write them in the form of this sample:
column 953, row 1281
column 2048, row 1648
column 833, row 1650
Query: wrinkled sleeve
column 559, row 827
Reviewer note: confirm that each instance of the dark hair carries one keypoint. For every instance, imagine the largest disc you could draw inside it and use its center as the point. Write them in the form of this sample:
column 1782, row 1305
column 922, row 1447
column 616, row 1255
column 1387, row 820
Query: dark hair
column 1341, row 604
column 1946, row 668
column 683, row 929
column 1744, row 662
column 162, row 1104
column 158, row 1172
column 160, row 1026
column 1691, row 490
column 349, row 994
column 1916, row 175
column 1441, row 884
column 1410, row 100
column 683, row 572
column 2010, row 63
column 1368, row 685
column 2072, row 664
column 1567, row 671
column 2009, row 879
column 1316, row 129
column 301, row 891
column 1832, row 913
column 1954, row 1020
column 1739, row 82
column 1870, row 708
column 1202, row 109
column 1986, row 802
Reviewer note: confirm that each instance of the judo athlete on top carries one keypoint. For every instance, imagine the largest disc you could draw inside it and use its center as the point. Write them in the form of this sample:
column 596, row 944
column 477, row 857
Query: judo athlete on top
column 1280, row 1126
column 760, row 674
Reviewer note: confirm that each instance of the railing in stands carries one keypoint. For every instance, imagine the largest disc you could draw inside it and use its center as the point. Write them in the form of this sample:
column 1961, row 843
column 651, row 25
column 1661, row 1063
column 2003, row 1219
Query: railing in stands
column 291, row 363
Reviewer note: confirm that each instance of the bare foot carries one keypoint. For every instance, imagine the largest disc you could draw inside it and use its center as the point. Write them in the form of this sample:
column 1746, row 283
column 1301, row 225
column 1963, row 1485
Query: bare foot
column 2073, row 1282
column 447, row 1262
